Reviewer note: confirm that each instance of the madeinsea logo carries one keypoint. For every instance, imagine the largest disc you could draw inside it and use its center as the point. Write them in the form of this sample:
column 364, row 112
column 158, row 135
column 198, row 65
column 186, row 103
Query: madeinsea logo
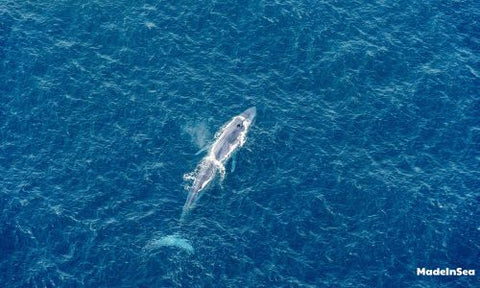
column 445, row 272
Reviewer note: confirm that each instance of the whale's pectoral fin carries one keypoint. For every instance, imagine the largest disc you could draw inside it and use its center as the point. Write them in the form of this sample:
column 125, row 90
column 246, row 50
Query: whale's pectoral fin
column 221, row 169
column 234, row 162
column 203, row 149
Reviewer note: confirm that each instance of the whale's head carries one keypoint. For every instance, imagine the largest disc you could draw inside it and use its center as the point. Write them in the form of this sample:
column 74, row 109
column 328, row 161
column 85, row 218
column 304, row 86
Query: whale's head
column 233, row 134
column 249, row 114
column 242, row 122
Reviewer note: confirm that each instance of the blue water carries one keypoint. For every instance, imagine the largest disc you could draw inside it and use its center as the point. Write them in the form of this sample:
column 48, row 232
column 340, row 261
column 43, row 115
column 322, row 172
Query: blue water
column 363, row 162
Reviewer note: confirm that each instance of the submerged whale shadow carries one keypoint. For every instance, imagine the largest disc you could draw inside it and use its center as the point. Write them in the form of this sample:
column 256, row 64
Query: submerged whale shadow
column 173, row 240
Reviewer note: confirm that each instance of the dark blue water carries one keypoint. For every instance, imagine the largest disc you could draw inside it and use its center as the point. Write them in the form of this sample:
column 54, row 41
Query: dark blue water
column 362, row 165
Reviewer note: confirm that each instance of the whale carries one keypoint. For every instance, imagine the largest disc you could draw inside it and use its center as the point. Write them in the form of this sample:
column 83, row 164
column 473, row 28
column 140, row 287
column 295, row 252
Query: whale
column 227, row 141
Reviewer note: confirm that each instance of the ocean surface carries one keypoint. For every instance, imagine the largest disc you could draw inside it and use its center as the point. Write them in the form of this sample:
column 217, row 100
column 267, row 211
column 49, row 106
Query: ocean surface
column 362, row 165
